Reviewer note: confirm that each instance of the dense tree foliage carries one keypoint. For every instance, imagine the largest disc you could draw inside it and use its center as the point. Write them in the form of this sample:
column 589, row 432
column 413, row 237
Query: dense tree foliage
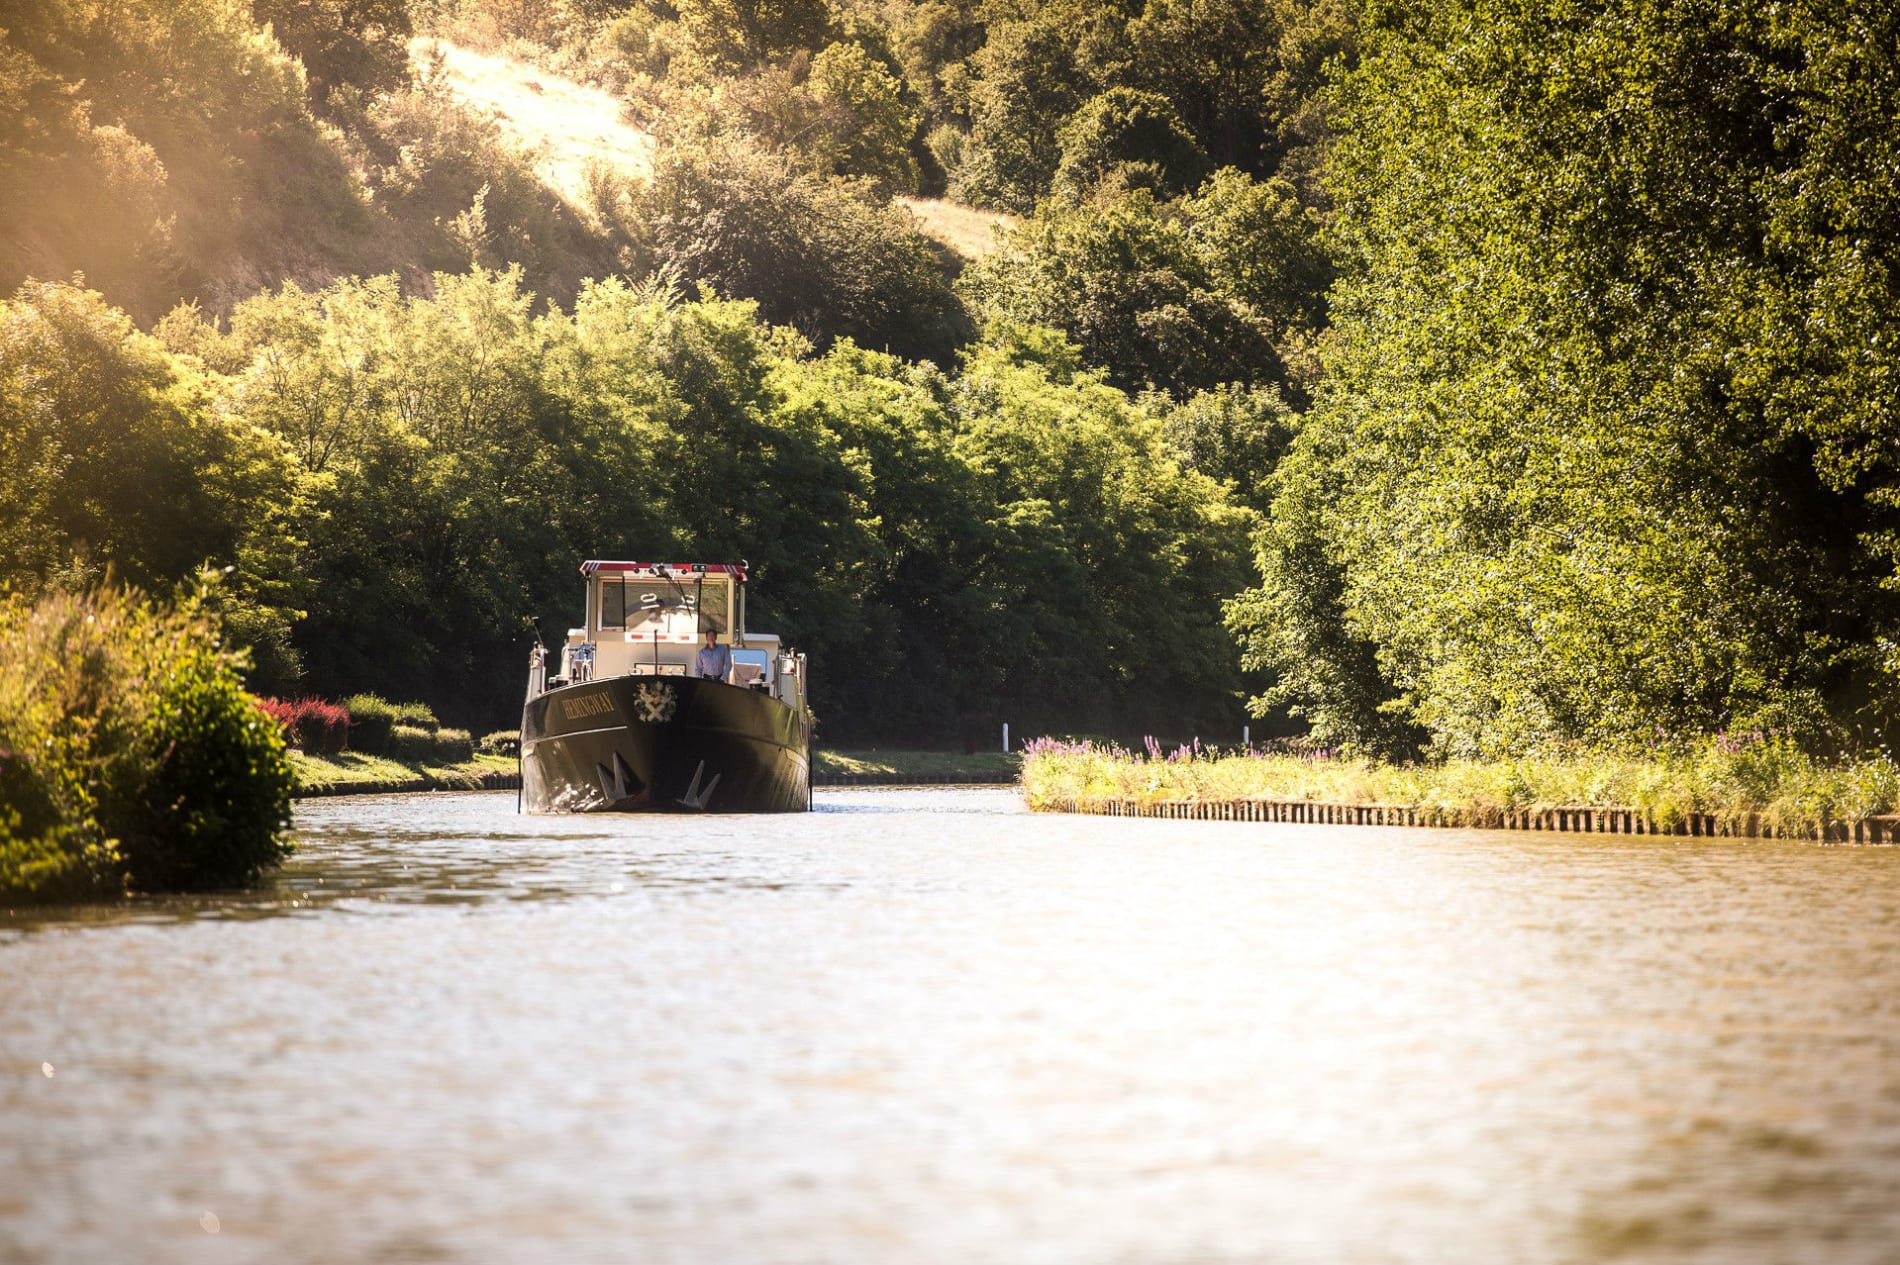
column 1547, row 349
column 113, row 452
column 362, row 44
column 1132, row 138
column 1606, row 445
column 1241, row 81
column 207, row 149
column 742, row 34
column 120, row 131
column 1220, row 286
column 824, row 255
column 404, row 483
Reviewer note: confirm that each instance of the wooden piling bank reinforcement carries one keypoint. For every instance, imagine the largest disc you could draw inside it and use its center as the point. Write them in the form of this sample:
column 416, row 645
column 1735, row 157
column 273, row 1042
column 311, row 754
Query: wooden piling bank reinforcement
column 1583, row 819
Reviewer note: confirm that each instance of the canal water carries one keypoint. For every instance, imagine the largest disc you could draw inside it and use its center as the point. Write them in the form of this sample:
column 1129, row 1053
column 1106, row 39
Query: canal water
column 927, row 1026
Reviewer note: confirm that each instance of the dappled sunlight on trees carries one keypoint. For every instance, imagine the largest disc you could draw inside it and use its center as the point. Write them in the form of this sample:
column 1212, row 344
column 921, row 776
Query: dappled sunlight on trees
column 1508, row 375
column 402, row 482
column 1595, row 459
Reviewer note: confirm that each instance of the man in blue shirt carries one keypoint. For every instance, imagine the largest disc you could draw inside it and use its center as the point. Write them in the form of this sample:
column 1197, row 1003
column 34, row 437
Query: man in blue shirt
column 714, row 659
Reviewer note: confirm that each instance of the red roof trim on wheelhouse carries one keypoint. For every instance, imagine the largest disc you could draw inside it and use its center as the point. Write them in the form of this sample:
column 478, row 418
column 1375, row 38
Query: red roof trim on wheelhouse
column 592, row 566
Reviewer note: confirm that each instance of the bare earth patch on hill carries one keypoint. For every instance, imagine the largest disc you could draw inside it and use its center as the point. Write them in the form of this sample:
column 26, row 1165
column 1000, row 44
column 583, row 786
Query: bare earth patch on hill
column 570, row 125
column 964, row 229
column 567, row 125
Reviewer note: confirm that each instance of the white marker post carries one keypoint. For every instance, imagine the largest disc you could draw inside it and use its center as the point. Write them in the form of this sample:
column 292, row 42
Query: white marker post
column 1006, row 735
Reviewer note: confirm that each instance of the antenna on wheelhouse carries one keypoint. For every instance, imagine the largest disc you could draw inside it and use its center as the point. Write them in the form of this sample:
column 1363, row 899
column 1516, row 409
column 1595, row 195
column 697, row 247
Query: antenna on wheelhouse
column 738, row 604
column 659, row 569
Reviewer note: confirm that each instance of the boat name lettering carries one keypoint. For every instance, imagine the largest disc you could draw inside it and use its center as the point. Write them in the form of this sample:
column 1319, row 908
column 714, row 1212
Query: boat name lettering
column 597, row 704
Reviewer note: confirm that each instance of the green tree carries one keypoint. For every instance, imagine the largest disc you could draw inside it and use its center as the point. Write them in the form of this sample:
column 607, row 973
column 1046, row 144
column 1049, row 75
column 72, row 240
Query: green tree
column 1245, row 76
column 1025, row 84
column 1232, row 433
column 1111, row 557
column 826, row 256
column 1576, row 487
column 362, row 43
column 1134, row 138
column 932, row 646
column 112, row 454
column 737, row 35
column 1261, row 245
column 1120, row 274
column 866, row 127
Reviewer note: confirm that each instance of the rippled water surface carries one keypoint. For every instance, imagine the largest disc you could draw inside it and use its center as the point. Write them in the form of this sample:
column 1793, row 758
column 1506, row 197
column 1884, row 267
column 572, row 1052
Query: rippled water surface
column 926, row 1026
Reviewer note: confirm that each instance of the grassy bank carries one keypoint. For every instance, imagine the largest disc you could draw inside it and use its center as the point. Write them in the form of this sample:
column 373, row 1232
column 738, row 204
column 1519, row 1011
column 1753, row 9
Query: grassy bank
column 354, row 773
column 921, row 766
column 1730, row 779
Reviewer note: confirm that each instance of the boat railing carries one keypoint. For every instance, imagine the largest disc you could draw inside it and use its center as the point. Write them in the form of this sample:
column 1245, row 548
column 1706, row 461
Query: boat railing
column 750, row 671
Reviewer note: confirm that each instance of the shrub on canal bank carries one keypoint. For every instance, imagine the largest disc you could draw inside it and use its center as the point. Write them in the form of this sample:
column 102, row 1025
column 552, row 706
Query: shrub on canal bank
column 130, row 755
column 409, row 743
column 453, row 746
column 1728, row 777
column 503, row 742
column 310, row 724
column 374, row 721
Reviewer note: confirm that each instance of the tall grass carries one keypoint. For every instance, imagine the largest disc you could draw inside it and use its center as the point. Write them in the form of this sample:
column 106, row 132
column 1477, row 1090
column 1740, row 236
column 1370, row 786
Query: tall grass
column 1729, row 777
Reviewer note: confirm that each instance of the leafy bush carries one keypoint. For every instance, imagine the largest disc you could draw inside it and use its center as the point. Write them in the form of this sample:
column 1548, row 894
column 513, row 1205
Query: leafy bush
column 410, row 744
column 310, row 723
column 501, row 742
column 130, row 755
column 373, row 720
column 421, row 715
column 453, row 746
column 213, row 812
column 824, row 255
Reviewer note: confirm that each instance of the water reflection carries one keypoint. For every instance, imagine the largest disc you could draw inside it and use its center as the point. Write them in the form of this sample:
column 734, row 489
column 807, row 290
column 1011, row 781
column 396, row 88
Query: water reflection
column 926, row 1026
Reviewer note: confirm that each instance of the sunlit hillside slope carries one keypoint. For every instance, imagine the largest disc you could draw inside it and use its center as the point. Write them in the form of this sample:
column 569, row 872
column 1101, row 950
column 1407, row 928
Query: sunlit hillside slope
column 570, row 126
column 567, row 126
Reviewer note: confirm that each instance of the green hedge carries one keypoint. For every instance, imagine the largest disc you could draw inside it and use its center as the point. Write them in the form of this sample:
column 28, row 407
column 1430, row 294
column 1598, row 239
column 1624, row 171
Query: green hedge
column 410, row 744
column 501, row 742
column 453, row 746
column 130, row 755
column 373, row 721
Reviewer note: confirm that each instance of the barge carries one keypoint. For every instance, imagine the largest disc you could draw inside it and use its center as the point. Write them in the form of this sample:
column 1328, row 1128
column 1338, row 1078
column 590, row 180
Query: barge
column 626, row 722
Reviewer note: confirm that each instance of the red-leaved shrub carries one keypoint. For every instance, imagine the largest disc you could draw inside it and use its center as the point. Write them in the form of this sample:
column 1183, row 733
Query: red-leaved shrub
column 318, row 727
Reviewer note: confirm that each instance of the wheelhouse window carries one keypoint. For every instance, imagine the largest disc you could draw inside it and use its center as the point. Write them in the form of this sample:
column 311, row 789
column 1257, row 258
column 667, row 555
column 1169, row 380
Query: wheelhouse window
column 613, row 603
column 714, row 603
column 683, row 605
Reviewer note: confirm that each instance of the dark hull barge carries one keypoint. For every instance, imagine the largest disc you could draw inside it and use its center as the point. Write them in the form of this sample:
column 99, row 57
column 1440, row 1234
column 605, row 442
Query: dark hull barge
column 663, row 744
column 628, row 724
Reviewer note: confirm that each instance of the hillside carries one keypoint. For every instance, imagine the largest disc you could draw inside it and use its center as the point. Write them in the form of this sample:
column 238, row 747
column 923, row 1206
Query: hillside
column 568, row 127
